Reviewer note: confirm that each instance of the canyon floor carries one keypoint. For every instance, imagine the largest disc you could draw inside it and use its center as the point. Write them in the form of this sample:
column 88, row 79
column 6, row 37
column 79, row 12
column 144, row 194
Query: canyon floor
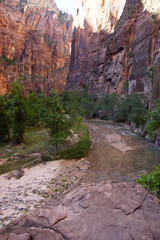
column 92, row 198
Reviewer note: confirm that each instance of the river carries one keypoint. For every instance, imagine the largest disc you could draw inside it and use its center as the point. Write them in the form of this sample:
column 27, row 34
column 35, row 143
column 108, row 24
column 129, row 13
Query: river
column 118, row 154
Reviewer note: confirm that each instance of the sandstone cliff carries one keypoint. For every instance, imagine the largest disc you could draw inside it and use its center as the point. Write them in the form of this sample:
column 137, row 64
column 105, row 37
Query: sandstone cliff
column 35, row 42
column 116, row 42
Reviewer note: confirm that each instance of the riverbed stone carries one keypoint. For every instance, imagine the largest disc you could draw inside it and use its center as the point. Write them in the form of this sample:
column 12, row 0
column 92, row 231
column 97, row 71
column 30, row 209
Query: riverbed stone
column 158, row 143
column 106, row 211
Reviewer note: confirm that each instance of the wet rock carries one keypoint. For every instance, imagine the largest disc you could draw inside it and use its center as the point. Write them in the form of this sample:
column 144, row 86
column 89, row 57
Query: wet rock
column 133, row 126
column 158, row 143
column 119, row 211
column 142, row 132
column 127, row 127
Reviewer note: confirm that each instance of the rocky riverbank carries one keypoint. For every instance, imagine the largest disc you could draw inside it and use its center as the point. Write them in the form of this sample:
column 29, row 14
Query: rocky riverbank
column 38, row 183
column 85, row 199
column 111, row 211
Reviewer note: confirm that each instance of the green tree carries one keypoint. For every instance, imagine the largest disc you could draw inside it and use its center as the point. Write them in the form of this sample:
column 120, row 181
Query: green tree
column 78, row 102
column 32, row 108
column 108, row 105
column 54, row 118
column 131, row 109
column 18, row 112
column 5, row 121
column 153, row 123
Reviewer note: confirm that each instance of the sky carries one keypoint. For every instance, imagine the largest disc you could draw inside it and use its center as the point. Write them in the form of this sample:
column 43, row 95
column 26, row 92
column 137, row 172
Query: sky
column 69, row 5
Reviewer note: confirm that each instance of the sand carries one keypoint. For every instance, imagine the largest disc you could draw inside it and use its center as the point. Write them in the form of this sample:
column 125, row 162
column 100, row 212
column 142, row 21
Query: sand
column 18, row 196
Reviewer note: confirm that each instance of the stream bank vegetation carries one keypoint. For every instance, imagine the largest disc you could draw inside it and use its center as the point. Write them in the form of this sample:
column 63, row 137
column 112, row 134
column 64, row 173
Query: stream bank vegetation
column 36, row 127
column 130, row 109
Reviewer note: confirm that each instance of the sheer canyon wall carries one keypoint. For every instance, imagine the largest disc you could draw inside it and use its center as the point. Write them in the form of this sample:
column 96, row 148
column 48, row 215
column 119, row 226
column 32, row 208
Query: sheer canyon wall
column 35, row 42
column 116, row 44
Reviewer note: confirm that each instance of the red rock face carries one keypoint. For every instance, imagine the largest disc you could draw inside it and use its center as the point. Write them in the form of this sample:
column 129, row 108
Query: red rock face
column 34, row 45
column 115, row 41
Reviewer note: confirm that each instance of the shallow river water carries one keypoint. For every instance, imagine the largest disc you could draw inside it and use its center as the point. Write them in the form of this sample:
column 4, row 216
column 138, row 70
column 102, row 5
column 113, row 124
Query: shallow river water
column 118, row 154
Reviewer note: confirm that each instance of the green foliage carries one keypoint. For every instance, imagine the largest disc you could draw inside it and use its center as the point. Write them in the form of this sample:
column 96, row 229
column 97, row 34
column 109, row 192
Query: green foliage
column 108, row 105
column 17, row 111
column 5, row 121
column 87, row 103
column 151, row 181
column 151, row 72
column 80, row 149
column 78, row 103
column 126, row 109
column 126, row 86
column 131, row 109
column 153, row 123
column 33, row 108
column 53, row 117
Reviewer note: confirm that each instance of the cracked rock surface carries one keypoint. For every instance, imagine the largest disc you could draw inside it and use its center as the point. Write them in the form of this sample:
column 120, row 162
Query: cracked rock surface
column 120, row 211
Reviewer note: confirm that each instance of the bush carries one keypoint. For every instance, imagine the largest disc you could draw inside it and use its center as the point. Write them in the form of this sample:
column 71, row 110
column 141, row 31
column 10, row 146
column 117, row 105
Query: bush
column 108, row 105
column 126, row 109
column 54, row 118
column 33, row 108
column 80, row 149
column 131, row 109
column 151, row 181
column 78, row 102
column 18, row 112
column 153, row 123
column 5, row 121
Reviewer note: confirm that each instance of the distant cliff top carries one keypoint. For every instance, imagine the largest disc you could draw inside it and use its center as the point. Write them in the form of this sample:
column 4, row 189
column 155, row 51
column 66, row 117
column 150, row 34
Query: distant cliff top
column 48, row 5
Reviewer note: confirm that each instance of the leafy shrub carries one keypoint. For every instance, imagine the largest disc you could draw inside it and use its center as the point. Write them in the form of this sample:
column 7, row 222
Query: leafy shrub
column 78, row 102
column 53, row 117
column 5, row 121
column 17, row 111
column 131, row 109
column 151, row 181
column 153, row 123
column 33, row 108
column 126, row 109
column 108, row 105
column 126, row 86
column 80, row 149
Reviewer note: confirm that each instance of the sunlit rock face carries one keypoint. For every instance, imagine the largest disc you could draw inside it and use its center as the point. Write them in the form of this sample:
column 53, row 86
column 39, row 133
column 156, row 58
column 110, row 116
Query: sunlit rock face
column 34, row 44
column 115, row 42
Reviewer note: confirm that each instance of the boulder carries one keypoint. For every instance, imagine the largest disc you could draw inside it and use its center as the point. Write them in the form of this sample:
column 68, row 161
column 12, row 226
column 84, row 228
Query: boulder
column 120, row 211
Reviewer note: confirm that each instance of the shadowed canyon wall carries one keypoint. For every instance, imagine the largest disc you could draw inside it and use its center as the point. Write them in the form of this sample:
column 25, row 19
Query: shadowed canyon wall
column 35, row 42
column 116, row 42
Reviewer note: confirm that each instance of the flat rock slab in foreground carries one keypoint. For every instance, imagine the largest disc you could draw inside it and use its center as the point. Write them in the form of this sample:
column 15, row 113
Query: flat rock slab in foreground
column 112, row 211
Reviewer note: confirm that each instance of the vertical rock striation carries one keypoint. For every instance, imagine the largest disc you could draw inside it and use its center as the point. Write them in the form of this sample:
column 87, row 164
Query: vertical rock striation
column 34, row 44
column 115, row 42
